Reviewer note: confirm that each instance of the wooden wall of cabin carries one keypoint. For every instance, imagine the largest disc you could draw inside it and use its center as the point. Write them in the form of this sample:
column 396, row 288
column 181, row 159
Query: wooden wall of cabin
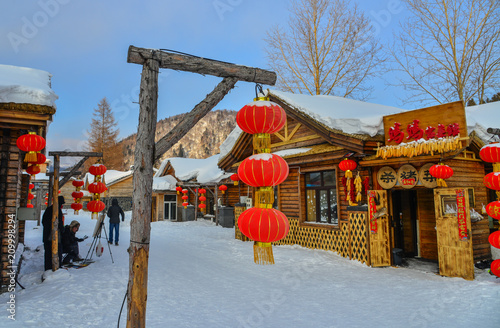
column 10, row 191
column 122, row 188
column 468, row 173
column 233, row 193
column 296, row 135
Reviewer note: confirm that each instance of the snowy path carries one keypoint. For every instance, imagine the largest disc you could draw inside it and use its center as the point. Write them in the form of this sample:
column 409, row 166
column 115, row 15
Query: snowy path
column 200, row 276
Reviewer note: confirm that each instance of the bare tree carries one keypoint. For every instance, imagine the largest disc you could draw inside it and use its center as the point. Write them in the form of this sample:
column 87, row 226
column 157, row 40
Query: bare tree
column 328, row 48
column 103, row 135
column 449, row 50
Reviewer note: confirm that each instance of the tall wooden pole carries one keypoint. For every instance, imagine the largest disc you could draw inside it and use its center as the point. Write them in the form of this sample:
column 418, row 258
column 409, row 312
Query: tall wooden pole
column 55, row 215
column 140, row 226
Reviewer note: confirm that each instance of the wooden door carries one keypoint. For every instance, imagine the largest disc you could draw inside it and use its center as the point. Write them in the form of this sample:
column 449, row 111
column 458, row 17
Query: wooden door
column 454, row 237
column 378, row 228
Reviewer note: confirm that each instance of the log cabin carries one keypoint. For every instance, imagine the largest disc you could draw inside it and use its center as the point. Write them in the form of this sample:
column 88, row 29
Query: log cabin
column 391, row 207
column 27, row 104
column 190, row 174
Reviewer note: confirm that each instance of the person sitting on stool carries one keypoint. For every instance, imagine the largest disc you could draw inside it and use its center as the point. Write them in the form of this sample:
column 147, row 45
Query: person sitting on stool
column 114, row 213
column 70, row 242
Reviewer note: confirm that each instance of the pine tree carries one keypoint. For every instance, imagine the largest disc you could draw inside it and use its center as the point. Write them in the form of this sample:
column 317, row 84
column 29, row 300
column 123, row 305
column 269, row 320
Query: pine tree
column 103, row 135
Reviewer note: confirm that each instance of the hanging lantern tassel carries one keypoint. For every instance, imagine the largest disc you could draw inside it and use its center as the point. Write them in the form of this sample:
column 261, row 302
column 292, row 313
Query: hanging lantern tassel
column 263, row 253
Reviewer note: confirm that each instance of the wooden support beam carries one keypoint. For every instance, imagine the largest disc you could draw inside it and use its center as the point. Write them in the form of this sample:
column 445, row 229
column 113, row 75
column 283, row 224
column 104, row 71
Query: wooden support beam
column 55, row 216
column 75, row 153
column 140, row 226
column 200, row 65
column 72, row 172
column 190, row 120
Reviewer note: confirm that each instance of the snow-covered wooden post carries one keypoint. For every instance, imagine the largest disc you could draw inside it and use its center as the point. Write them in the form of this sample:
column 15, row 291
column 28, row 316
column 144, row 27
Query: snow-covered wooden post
column 146, row 151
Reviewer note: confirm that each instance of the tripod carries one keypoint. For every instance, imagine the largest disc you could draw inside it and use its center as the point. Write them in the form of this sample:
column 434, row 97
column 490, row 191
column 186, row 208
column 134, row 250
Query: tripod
column 97, row 236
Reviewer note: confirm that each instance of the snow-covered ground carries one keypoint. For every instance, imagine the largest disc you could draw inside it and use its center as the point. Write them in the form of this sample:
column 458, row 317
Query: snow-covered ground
column 200, row 276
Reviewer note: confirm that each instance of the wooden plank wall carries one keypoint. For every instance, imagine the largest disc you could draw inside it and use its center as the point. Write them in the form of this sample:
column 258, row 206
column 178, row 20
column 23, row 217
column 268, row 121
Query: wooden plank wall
column 10, row 189
column 470, row 174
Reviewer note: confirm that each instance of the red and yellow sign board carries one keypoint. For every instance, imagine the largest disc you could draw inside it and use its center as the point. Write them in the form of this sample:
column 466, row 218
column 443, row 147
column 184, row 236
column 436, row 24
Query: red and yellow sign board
column 447, row 120
column 461, row 215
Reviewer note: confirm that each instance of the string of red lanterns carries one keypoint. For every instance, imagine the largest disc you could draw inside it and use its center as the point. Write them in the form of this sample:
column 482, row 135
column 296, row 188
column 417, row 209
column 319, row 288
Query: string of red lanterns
column 185, row 197
column 263, row 170
column 491, row 154
column 202, row 199
column 96, row 188
column 77, row 195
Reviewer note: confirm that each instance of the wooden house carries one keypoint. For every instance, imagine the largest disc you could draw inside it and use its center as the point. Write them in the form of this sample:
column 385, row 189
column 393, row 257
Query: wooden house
column 26, row 105
column 190, row 174
column 395, row 207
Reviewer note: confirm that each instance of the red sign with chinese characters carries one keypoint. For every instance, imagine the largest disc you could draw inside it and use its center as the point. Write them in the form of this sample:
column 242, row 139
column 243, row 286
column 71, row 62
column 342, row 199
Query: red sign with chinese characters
column 434, row 122
column 461, row 215
column 373, row 209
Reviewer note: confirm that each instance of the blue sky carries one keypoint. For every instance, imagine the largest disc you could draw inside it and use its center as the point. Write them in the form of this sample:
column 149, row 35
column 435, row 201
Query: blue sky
column 83, row 44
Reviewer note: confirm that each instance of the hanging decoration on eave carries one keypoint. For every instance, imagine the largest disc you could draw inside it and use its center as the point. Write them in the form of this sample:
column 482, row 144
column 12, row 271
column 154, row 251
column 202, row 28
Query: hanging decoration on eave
column 223, row 188
column 263, row 170
column 348, row 165
column 77, row 195
column 178, row 189
column 202, row 199
column 30, row 195
column 235, row 178
column 441, row 172
column 30, row 143
column 491, row 154
column 96, row 188
column 185, row 198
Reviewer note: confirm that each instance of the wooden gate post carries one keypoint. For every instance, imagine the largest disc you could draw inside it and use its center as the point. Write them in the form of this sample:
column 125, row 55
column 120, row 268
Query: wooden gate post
column 140, row 226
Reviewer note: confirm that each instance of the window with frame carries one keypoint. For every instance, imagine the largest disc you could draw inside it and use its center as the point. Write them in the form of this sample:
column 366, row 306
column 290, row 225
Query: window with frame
column 321, row 197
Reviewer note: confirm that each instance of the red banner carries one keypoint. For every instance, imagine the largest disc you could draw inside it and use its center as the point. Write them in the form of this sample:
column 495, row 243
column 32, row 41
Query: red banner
column 461, row 215
column 373, row 209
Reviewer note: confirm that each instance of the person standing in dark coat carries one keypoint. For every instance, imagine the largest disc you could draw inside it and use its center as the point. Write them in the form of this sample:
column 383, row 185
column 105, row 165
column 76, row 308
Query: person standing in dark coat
column 70, row 242
column 47, row 233
column 114, row 213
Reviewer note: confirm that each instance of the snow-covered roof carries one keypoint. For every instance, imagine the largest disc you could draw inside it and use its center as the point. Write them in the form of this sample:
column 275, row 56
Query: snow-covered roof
column 164, row 183
column 203, row 170
column 110, row 177
column 338, row 113
column 481, row 117
column 24, row 85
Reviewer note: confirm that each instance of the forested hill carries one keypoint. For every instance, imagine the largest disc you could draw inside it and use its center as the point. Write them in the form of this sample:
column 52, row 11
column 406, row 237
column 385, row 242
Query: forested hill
column 202, row 141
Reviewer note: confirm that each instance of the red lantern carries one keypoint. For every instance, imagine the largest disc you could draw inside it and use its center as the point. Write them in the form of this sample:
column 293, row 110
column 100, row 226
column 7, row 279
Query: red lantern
column 223, row 188
column 494, row 239
column 492, row 180
column 29, row 206
column 178, row 189
column 441, row 172
column 264, row 225
column 263, row 170
column 261, row 116
column 97, row 169
column 76, row 207
column 203, row 198
column 495, row 268
column 347, row 165
column 97, row 188
column 202, row 206
column 202, row 191
column 493, row 209
column 40, row 158
column 490, row 153
column 31, row 186
column 185, row 197
column 30, row 143
column 184, row 191
column 95, row 207
column 78, row 183
column 77, row 194
column 235, row 179
column 31, row 196
column 33, row 169
column 185, row 204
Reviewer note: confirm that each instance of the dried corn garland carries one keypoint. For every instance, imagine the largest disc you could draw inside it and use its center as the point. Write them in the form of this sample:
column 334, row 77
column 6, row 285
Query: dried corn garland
column 422, row 146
